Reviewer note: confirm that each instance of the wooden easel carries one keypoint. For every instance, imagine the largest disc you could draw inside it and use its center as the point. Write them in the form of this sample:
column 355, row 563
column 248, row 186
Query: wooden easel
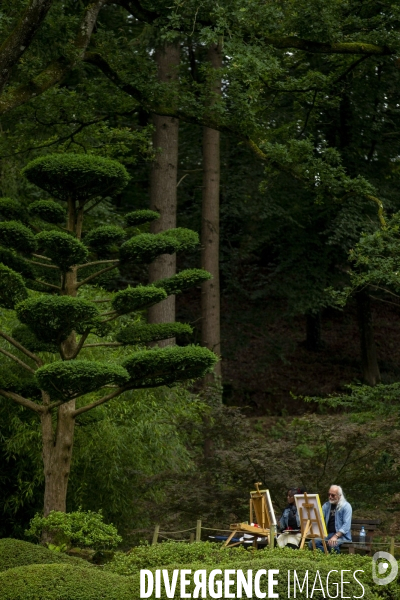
column 309, row 521
column 259, row 509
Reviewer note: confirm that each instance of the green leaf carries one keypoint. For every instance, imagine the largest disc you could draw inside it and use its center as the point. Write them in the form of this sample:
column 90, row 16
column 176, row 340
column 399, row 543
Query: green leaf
column 63, row 249
column 139, row 217
column 48, row 211
column 15, row 235
column 12, row 287
column 183, row 280
column 137, row 298
column 141, row 334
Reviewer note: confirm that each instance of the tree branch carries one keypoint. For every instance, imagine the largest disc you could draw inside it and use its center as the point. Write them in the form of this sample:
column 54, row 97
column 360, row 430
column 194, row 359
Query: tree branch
column 88, row 407
column 23, row 401
column 95, row 275
column 294, row 42
column 114, row 344
column 81, row 342
column 19, row 346
column 57, row 69
column 97, row 262
column 21, row 37
column 17, row 360
column 35, row 262
column 50, row 285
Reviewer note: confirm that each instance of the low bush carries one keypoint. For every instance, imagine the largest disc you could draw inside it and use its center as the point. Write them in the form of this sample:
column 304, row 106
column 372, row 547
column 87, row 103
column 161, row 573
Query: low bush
column 65, row 582
column 208, row 556
column 16, row 553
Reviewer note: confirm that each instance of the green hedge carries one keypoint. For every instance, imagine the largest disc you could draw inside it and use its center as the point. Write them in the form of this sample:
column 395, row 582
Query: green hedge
column 65, row 582
column 16, row 553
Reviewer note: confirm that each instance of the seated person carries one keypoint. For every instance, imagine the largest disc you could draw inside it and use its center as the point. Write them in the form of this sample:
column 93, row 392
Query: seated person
column 289, row 523
column 337, row 514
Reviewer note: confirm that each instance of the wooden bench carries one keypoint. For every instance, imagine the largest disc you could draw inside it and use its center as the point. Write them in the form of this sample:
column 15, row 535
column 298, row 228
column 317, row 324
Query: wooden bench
column 370, row 526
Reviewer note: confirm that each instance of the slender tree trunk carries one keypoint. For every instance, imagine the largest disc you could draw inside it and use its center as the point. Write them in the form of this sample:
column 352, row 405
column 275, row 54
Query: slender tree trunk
column 210, row 297
column 163, row 182
column 313, row 328
column 57, row 456
column 58, row 443
column 369, row 361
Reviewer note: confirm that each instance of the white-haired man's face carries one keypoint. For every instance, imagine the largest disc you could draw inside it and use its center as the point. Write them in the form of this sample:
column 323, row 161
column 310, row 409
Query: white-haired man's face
column 333, row 494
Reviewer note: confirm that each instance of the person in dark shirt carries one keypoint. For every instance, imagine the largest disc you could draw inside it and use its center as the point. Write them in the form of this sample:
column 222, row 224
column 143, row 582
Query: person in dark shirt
column 289, row 523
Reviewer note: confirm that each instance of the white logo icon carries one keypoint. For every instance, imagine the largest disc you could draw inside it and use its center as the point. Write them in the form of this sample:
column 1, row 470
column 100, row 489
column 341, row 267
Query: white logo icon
column 385, row 564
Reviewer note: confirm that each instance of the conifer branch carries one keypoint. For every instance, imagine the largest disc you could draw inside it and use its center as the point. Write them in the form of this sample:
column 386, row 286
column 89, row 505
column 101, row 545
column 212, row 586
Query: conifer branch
column 94, row 275
column 88, row 407
column 23, row 401
column 17, row 360
column 22, row 348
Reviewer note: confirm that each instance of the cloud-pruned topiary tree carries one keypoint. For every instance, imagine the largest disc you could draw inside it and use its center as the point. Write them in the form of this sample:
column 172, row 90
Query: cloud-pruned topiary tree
column 43, row 267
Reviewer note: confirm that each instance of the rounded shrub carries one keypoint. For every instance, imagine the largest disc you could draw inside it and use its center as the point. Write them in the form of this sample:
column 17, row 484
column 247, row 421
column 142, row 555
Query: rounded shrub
column 141, row 334
column 162, row 366
column 65, row 582
column 15, row 235
column 144, row 248
column 63, row 249
column 12, row 287
column 183, row 280
column 53, row 318
column 103, row 238
column 82, row 529
column 64, row 380
column 11, row 209
column 184, row 239
column 139, row 217
column 77, row 176
column 17, row 553
column 48, row 211
column 132, row 299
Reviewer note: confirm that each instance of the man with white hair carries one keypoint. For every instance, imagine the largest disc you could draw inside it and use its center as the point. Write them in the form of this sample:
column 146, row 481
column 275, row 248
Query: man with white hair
column 337, row 514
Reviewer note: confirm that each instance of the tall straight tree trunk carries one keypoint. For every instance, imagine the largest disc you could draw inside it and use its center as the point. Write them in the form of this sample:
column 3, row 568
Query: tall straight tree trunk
column 210, row 297
column 369, row 361
column 163, row 182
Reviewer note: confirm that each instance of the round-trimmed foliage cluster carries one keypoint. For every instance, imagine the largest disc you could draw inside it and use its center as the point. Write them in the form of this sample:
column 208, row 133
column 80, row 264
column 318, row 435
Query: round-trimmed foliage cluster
column 53, row 318
column 139, row 217
column 142, row 296
column 144, row 248
column 11, row 209
column 64, row 380
column 183, row 280
column 63, row 249
column 48, row 211
column 77, row 176
column 103, row 238
column 12, row 287
column 162, row 366
column 141, row 334
column 15, row 235
column 184, row 239
column 16, row 553
column 15, row 262
column 65, row 582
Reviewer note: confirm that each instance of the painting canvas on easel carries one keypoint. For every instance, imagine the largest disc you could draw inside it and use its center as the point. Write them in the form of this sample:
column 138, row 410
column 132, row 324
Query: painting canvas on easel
column 312, row 520
column 261, row 505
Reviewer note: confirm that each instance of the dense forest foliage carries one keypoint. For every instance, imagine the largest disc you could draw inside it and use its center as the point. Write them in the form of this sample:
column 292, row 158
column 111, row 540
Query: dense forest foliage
column 265, row 138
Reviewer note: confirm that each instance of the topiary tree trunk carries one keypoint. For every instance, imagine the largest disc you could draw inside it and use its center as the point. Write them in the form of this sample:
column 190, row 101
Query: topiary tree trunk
column 57, row 325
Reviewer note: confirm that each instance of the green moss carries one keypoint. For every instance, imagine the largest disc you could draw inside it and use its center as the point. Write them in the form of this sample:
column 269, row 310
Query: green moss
column 77, row 176
column 16, row 553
